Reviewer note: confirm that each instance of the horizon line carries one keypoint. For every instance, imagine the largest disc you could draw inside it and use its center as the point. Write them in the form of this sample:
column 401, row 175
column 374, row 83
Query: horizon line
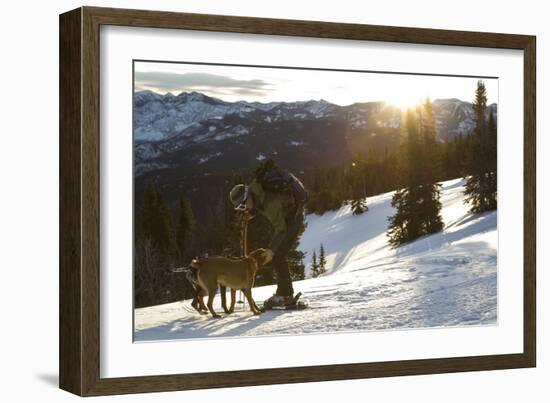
column 309, row 100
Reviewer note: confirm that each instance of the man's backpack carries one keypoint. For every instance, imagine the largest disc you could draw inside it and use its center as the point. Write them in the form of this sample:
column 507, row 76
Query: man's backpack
column 277, row 180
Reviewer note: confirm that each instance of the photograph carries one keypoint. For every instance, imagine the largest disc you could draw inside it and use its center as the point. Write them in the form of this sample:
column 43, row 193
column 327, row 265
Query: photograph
column 278, row 200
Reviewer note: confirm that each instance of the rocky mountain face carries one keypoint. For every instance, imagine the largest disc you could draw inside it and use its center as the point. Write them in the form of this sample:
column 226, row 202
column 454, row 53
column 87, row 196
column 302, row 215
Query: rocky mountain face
column 180, row 140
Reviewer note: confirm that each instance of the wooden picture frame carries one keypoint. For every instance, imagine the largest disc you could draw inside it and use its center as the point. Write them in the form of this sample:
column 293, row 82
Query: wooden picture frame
column 79, row 279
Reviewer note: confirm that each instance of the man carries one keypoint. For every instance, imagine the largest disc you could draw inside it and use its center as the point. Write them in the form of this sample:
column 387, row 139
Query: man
column 280, row 197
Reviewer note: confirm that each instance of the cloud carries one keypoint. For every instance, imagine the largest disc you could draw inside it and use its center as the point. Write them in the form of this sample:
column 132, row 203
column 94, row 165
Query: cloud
column 212, row 83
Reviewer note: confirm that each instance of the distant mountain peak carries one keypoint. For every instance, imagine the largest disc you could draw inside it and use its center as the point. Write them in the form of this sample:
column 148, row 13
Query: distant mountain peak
column 160, row 117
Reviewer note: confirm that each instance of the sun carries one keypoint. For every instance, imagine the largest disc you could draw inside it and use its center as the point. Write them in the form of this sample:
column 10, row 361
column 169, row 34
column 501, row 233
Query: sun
column 404, row 101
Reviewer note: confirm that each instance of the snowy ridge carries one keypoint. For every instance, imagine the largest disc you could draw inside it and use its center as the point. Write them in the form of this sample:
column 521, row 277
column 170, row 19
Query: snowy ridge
column 172, row 133
column 159, row 117
column 446, row 279
column 170, row 130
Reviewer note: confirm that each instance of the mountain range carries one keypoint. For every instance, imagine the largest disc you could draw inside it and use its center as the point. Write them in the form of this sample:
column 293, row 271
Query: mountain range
column 179, row 139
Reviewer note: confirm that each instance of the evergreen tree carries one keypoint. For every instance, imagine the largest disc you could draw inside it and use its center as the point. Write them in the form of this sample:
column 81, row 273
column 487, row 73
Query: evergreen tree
column 154, row 253
column 417, row 201
column 358, row 206
column 492, row 143
column 481, row 189
column 322, row 260
column 431, row 165
column 373, row 173
column 404, row 225
column 327, row 190
column 448, row 158
column 358, row 186
column 454, row 155
column 155, row 221
column 185, row 230
column 314, row 265
column 296, row 264
column 492, row 161
column 387, row 172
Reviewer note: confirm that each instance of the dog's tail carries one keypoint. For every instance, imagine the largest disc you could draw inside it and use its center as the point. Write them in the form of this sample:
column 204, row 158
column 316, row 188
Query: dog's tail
column 190, row 273
column 180, row 269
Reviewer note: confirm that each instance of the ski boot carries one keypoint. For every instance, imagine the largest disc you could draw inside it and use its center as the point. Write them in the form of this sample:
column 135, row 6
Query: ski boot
column 280, row 302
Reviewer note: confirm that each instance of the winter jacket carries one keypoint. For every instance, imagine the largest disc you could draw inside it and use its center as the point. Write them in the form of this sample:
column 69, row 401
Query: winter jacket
column 277, row 207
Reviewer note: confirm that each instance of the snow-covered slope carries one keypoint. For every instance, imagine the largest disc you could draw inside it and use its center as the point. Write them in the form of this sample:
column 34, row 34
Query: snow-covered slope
column 446, row 279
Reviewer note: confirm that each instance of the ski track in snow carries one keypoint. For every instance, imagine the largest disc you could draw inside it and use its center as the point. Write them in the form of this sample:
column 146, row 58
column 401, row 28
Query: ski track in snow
column 445, row 279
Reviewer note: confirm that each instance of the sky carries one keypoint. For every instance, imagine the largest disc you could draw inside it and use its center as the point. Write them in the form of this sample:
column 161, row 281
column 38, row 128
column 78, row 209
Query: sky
column 235, row 83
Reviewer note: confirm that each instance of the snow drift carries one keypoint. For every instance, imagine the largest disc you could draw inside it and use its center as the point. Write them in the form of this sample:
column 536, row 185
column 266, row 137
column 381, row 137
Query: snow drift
column 445, row 279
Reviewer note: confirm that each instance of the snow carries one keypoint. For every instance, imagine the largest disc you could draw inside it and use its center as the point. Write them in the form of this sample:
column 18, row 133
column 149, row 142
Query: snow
column 261, row 157
column 446, row 279
column 206, row 158
column 359, row 123
column 294, row 143
column 159, row 117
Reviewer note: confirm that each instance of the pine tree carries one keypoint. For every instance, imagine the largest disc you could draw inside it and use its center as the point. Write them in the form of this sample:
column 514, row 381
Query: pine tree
column 322, row 261
column 373, row 173
column 314, row 265
column 492, row 161
column 155, row 221
column 388, row 175
column 358, row 186
column 432, row 169
column 185, row 230
column 327, row 190
column 154, row 250
column 358, row 206
column 448, row 158
column 417, row 202
column 481, row 189
column 404, row 225
column 296, row 264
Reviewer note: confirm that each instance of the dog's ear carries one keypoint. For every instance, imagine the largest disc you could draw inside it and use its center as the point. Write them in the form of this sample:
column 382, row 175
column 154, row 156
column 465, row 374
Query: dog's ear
column 262, row 256
column 268, row 255
column 195, row 263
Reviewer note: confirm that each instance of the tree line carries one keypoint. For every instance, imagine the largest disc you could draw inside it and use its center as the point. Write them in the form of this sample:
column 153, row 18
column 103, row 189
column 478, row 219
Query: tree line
column 414, row 170
column 422, row 160
column 419, row 158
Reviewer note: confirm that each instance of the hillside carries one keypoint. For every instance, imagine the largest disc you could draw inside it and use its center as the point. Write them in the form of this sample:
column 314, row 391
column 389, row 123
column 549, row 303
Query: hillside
column 446, row 279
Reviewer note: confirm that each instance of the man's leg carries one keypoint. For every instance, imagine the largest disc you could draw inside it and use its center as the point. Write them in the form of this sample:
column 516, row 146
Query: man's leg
column 284, row 282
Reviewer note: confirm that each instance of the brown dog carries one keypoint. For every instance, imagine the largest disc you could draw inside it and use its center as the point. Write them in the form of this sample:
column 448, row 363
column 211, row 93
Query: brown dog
column 237, row 274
